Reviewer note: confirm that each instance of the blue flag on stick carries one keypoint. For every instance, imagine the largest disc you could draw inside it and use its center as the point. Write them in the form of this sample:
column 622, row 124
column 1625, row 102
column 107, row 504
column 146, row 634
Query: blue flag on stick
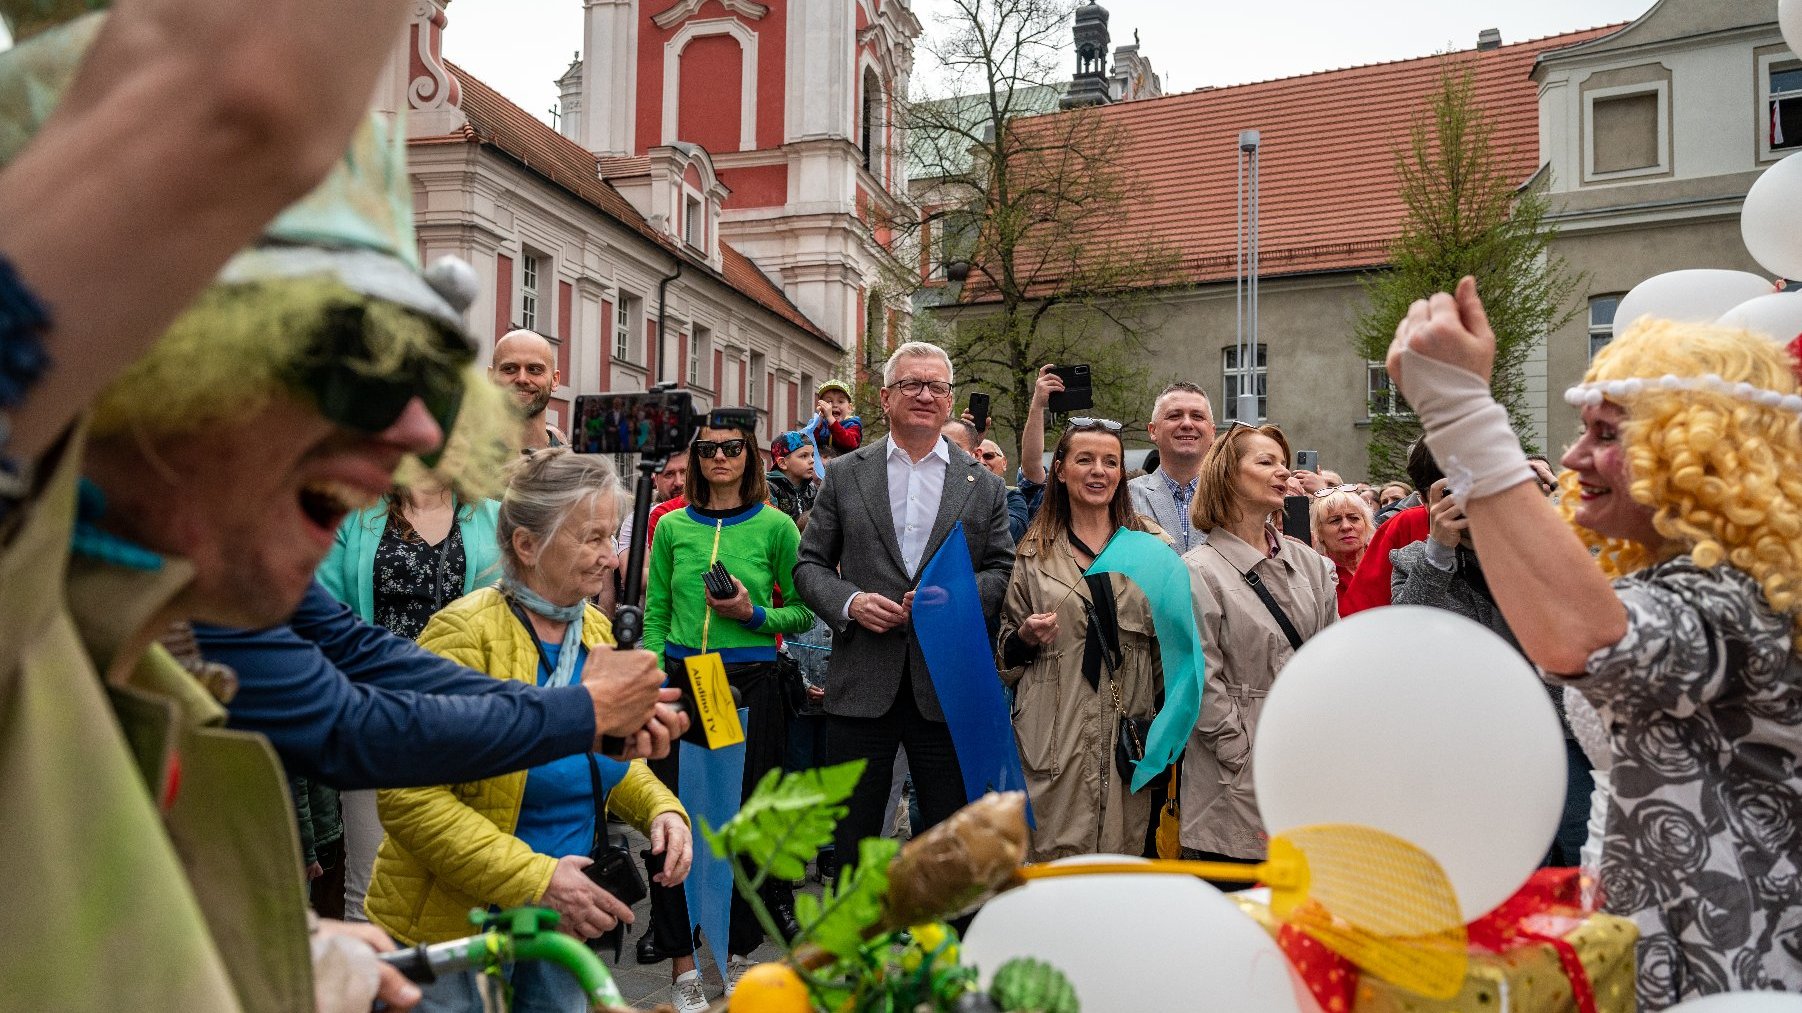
column 947, row 619
column 812, row 432
column 710, row 784
column 1162, row 575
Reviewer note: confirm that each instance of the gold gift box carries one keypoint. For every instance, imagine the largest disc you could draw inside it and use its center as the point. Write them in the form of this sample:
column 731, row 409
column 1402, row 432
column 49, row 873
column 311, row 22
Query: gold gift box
column 1526, row 980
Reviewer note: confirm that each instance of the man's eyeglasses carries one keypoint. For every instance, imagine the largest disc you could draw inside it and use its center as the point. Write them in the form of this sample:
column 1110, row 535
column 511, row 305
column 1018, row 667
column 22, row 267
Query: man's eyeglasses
column 707, row 448
column 1089, row 422
column 912, row 388
column 1330, row 490
column 991, row 455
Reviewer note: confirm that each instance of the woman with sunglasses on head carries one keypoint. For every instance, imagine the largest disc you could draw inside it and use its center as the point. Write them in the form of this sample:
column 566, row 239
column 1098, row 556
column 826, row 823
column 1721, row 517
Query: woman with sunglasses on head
column 1259, row 596
column 726, row 522
column 1081, row 655
column 1340, row 519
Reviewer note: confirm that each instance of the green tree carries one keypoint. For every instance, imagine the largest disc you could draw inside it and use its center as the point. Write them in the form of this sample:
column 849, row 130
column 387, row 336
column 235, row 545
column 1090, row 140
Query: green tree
column 1035, row 204
column 1466, row 215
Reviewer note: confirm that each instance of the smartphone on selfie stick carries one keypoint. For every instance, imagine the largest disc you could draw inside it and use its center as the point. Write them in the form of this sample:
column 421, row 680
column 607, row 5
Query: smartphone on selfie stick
column 654, row 424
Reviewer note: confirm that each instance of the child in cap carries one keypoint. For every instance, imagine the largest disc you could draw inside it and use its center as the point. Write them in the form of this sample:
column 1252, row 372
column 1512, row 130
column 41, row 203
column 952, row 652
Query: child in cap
column 844, row 429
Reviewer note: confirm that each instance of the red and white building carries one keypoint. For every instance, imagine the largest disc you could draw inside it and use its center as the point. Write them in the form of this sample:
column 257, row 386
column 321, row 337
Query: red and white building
column 703, row 218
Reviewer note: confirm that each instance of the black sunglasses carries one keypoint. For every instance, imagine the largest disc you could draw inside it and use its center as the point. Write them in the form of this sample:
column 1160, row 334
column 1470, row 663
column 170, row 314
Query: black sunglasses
column 350, row 397
column 1088, row 422
column 707, row 448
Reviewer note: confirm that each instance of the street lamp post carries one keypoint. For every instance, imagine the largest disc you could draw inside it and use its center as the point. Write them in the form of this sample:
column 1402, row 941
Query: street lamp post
column 1245, row 286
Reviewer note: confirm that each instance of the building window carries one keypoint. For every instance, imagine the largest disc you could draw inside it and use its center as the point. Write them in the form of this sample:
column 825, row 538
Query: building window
column 1784, row 131
column 624, row 312
column 694, row 357
column 1628, row 131
column 869, row 128
column 1601, row 321
column 1236, row 380
column 1380, row 393
column 693, row 223
column 754, row 389
column 528, row 294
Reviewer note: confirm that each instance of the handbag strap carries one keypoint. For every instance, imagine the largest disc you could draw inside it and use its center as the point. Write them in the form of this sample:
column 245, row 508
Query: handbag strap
column 1264, row 595
column 600, row 808
column 1113, row 682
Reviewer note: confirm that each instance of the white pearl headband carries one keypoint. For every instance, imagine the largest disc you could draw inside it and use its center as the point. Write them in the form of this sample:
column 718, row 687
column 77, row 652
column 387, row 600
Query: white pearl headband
column 1621, row 390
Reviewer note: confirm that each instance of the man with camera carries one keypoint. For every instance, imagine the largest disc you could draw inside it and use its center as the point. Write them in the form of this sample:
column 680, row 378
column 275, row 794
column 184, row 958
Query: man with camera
column 882, row 513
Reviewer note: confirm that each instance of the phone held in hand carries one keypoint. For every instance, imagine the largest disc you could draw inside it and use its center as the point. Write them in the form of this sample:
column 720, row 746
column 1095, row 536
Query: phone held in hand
column 1077, row 396
column 1295, row 519
column 1308, row 460
column 979, row 411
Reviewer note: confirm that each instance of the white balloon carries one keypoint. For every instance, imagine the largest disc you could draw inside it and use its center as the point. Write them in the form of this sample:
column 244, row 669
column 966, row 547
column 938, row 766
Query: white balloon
column 1767, row 221
column 1777, row 316
column 1133, row 943
column 1423, row 724
column 1789, row 21
column 1696, row 296
column 1742, row 1002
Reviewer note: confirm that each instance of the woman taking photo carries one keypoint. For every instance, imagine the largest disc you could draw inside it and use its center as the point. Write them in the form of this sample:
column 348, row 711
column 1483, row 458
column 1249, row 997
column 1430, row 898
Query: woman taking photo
column 1342, row 530
column 526, row 837
column 1250, row 629
column 1081, row 656
column 1686, row 483
column 396, row 564
column 726, row 521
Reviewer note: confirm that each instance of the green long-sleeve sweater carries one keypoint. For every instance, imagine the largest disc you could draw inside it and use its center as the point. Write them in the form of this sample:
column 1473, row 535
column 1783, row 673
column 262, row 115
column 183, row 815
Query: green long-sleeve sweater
column 758, row 546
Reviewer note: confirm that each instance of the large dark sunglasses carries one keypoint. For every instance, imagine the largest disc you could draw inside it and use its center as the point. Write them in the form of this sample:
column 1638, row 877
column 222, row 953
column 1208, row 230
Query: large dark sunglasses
column 1088, row 422
column 349, row 396
column 731, row 448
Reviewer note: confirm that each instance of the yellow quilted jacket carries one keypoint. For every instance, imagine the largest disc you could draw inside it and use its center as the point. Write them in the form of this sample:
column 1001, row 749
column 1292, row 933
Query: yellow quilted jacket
column 451, row 848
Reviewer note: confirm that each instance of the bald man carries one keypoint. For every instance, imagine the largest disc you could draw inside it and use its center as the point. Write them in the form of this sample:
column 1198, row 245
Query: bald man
column 526, row 362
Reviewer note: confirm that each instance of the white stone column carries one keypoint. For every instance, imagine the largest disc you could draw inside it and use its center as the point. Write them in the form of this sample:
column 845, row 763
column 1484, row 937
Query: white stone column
column 610, row 76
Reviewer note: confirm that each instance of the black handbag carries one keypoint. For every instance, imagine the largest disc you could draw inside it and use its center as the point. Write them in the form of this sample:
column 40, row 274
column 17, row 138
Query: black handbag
column 1130, row 736
column 612, row 868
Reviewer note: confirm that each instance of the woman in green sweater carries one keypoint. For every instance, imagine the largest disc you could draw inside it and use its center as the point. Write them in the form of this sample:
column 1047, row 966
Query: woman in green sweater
column 726, row 520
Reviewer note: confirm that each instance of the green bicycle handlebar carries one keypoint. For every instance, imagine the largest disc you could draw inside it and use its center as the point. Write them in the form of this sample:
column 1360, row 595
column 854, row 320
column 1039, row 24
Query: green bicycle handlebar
column 526, row 933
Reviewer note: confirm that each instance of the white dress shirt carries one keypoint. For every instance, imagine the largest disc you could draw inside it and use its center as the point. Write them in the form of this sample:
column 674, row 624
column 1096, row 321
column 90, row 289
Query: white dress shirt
column 914, row 491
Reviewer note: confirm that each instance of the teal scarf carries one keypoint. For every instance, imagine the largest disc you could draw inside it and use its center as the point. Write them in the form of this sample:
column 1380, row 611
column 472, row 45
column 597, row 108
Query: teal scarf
column 565, row 675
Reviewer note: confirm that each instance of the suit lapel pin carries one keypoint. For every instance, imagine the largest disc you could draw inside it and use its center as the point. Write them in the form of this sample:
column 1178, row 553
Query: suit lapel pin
column 969, row 478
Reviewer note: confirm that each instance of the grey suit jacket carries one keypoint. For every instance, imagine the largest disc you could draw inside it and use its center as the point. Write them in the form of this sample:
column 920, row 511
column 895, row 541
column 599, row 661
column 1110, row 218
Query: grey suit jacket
column 1151, row 497
column 850, row 546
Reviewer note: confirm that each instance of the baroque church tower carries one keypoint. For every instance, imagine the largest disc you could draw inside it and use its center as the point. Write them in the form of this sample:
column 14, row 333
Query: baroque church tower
column 774, row 120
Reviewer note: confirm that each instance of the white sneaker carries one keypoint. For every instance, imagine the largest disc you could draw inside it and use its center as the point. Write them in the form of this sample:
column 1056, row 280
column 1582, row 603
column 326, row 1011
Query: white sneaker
column 736, row 967
column 688, row 995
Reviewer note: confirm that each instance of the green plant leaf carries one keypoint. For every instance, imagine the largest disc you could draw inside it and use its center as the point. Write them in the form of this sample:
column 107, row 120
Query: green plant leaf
column 787, row 819
column 836, row 922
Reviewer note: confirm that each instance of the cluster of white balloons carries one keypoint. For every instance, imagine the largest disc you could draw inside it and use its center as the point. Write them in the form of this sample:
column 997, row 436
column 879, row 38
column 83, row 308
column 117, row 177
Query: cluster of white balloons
column 1411, row 720
column 1770, row 224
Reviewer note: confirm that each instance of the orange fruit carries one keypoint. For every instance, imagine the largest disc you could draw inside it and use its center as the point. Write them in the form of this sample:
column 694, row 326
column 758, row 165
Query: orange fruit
column 770, row 988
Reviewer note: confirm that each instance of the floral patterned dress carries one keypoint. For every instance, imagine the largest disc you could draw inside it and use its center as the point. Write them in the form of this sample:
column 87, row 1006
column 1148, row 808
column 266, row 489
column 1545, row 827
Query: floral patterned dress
column 1703, row 703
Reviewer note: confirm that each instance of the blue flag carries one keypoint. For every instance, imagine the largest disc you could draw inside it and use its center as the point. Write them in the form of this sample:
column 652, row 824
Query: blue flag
column 710, row 784
column 947, row 619
column 1162, row 575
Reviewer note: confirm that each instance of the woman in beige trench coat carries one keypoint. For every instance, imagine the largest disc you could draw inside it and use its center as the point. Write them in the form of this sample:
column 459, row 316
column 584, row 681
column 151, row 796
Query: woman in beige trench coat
column 1243, row 480
column 1065, row 669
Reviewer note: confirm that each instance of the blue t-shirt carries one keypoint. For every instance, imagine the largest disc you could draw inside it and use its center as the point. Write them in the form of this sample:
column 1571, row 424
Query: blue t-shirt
column 556, row 816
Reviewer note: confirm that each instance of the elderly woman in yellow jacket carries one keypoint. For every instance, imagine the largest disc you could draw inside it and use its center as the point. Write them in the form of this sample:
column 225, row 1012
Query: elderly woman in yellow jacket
column 526, row 837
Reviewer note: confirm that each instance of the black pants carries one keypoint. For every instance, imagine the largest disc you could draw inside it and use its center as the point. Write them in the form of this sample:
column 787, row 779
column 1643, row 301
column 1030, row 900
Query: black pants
column 766, row 743
column 938, row 780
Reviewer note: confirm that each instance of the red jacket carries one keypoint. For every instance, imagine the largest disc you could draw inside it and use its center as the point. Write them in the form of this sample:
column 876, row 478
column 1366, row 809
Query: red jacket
column 1370, row 585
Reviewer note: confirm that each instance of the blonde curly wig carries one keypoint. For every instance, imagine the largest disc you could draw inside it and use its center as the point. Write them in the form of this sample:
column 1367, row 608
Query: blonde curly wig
column 1723, row 474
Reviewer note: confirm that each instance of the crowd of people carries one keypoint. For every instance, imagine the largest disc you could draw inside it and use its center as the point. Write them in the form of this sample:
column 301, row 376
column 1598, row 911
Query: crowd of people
column 330, row 661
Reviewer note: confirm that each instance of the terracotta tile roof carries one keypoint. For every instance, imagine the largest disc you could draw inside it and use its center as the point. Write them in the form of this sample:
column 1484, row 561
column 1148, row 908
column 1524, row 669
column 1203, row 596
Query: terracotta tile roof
column 498, row 123
column 1328, row 197
column 637, row 166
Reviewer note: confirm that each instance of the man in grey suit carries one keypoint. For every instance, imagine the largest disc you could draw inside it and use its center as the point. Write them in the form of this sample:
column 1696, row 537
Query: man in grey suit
column 882, row 512
column 1182, row 426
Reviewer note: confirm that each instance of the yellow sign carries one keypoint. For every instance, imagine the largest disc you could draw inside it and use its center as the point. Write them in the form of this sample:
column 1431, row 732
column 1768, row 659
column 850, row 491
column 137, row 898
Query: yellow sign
column 713, row 701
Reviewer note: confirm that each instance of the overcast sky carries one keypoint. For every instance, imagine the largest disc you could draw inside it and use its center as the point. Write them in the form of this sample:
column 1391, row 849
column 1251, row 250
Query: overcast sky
column 521, row 46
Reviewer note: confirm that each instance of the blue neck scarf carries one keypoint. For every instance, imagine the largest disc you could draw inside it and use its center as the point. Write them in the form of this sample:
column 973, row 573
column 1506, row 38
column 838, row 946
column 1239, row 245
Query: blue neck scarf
column 565, row 675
